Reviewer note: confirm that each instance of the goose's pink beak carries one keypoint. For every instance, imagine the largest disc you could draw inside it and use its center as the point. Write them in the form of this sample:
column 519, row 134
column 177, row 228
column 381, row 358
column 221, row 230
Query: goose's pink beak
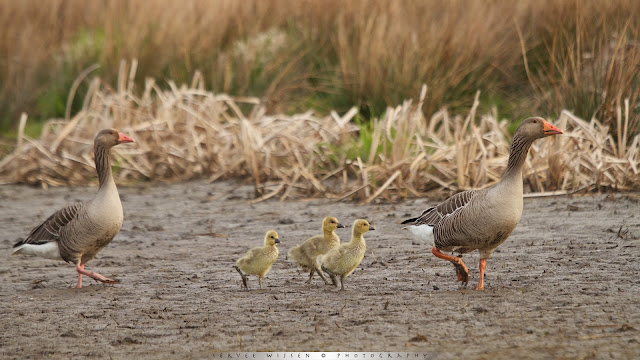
column 549, row 129
column 122, row 138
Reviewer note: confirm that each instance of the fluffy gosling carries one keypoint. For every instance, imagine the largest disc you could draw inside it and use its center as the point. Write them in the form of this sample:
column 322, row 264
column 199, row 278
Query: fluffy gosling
column 305, row 254
column 343, row 259
column 258, row 261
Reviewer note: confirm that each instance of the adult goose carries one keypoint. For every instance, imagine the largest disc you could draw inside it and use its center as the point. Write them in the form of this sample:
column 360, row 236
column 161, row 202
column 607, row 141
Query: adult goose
column 481, row 219
column 76, row 233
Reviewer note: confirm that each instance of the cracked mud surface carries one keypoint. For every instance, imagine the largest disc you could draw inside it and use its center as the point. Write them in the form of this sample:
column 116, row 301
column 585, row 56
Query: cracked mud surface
column 565, row 284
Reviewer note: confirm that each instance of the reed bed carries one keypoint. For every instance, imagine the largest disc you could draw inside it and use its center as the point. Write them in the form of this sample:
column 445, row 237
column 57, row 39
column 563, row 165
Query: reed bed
column 186, row 132
column 527, row 56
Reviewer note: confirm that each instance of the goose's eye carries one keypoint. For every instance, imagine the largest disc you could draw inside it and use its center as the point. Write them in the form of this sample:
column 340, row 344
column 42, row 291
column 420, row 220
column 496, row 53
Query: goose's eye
column 535, row 121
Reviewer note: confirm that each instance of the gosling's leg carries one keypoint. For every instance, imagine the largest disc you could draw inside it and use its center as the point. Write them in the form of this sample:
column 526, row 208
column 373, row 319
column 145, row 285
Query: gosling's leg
column 341, row 282
column 461, row 268
column 322, row 276
column 332, row 275
column 260, row 281
column 310, row 276
column 244, row 278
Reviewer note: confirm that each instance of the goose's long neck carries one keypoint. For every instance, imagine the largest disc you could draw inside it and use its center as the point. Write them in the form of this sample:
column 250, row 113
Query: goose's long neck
column 517, row 156
column 103, row 164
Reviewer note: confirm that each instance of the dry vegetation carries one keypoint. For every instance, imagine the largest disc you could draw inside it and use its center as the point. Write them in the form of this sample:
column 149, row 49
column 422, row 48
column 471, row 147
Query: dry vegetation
column 527, row 57
column 305, row 58
column 187, row 132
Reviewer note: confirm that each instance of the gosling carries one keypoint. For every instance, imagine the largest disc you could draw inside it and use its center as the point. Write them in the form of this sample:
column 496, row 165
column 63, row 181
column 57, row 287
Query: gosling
column 343, row 259
column 258, row 261
column 305, row 254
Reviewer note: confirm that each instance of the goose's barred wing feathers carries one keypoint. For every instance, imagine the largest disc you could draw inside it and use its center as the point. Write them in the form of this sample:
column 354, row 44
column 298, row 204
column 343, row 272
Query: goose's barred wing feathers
column 435, row 214
column 50, row 229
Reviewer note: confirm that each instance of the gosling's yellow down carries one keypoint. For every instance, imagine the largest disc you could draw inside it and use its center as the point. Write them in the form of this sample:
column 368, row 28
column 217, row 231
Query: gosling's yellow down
column 258, row 261
column 343, row 259
column 305, row 254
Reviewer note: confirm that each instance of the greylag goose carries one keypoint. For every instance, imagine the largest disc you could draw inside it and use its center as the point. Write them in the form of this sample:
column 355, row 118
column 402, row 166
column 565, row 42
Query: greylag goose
column 76, row 233
column 481, row 219
column 305, row 254
column 258, row 261
column 343, row 259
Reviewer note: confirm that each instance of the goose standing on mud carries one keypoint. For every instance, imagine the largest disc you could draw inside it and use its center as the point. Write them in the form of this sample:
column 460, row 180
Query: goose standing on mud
column 76, row 233
column 342, row 260
column 481, row 219
column 305, row 254
column 258, row 261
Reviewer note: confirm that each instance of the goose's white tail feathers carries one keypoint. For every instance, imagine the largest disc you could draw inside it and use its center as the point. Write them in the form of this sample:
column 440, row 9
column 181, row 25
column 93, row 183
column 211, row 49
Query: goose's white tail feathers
column 48, row 250
column 422, row 232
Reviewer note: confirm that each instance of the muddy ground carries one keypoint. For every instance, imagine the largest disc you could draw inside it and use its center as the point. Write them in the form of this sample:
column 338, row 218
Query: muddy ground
column 565, row 285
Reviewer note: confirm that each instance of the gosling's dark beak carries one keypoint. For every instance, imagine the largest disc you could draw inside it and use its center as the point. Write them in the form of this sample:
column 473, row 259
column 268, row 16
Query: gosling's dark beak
column 371, row 227
column 277, row 241
column 340, row 226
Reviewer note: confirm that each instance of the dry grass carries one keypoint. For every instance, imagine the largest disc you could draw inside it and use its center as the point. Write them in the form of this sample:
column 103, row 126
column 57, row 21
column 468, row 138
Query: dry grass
column 528, row 56
column 586, row 59
column 187, row 132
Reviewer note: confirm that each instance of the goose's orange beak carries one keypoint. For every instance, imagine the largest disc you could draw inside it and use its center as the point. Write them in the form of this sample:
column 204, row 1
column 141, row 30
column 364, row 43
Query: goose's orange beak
column 549, row 129
column 122, row 138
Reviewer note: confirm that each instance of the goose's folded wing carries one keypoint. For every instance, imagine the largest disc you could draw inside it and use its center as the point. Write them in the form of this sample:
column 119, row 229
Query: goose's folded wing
column 50, row 229
column 433, row 215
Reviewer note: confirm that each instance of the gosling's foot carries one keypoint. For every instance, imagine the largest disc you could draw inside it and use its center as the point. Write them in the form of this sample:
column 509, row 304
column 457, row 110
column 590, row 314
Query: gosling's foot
column 244, row 277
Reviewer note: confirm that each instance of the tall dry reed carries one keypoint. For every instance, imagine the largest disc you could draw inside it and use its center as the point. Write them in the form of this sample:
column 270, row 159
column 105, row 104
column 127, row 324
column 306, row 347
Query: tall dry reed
column 529, row 56
column 187, row 132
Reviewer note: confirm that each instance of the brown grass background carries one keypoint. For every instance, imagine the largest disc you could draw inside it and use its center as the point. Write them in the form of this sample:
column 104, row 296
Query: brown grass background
column 188, row 132
column 318, row 92
column 525, row 56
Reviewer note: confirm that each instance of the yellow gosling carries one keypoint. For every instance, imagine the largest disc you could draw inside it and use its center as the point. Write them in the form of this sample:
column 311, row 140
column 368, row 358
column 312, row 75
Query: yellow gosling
column 258, row 260
column 343, row 259
column 305, row 254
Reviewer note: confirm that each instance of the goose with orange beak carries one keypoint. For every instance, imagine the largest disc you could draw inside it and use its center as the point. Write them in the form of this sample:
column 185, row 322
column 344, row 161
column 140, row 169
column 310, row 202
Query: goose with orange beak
column 481, row 219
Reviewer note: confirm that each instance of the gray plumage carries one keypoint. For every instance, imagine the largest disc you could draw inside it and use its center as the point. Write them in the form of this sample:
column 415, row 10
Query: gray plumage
column 76, row 233
column 474, row 219
column 482, row 219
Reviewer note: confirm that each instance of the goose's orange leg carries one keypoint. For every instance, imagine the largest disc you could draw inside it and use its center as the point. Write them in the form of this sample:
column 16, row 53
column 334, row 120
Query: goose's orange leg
column 483, row 265
column 79, row 283
column 461, row 268
column 94, row 275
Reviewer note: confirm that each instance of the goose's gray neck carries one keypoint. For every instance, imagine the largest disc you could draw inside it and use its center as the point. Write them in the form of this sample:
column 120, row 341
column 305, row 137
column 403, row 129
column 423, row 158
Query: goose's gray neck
column 103, row 164
column 517, row 156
